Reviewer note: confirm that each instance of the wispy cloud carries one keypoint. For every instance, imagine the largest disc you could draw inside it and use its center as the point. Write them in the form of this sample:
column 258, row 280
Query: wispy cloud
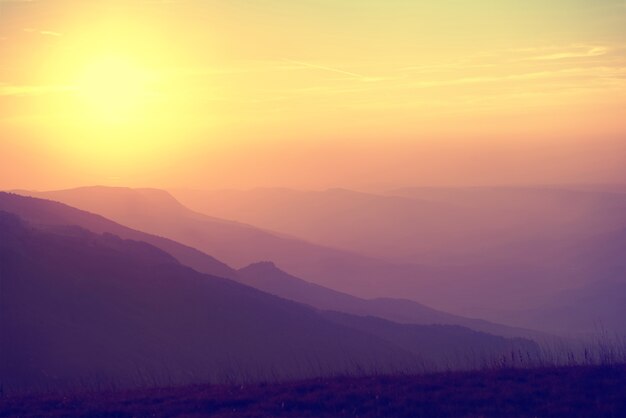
column 358, row 76
column 32, row 90
column 554, row 53
column 43, row 32
column 162, row 1
column 325, row 68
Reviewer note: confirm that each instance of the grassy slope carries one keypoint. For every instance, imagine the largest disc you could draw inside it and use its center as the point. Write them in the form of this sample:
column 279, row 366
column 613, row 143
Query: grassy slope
column 550, row 392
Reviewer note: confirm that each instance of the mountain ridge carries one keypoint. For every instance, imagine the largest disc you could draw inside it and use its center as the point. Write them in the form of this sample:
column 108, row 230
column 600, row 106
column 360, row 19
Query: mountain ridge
column 80, row 305
column 268, row 277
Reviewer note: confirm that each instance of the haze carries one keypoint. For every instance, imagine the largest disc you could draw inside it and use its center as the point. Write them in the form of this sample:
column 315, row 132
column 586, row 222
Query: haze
column 311, row 94
column 293, row 208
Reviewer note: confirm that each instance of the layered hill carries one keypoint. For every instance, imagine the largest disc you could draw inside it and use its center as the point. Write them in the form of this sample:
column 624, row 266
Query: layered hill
column 46, row 212
column 157, row 212
column 269, row 278
column 424, row 225
column 82, row 307
column 264, row 276
column 504, row 285
column 497, row 253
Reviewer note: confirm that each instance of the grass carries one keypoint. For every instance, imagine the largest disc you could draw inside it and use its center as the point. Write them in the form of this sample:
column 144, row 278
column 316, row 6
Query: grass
column 567, row 391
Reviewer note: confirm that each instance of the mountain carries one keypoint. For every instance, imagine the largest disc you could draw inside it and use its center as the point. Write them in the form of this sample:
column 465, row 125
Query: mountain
column 597, row 308
column 264, row 276
column 83, row 308
column 157, row 212
column 267, row 277
column 476, row 251
column 448, row 347
column 520, row 273
column 424, row 225
column 389, row 227
column 80, row 309
column 46, row 212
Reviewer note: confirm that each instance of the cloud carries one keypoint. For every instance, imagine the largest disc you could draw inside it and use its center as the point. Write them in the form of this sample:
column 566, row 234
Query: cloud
column 259, row 67
column 43, row 32
column 334, row 70
column 49, row 33
column 573, row 52
column 32, row 90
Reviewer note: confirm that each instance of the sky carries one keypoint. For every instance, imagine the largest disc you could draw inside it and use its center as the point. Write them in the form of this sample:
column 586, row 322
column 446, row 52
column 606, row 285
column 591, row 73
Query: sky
column 363, row 94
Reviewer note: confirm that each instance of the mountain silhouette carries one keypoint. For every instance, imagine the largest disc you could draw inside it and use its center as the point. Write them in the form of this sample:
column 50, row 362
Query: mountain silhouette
column 500, row 290
column 452, row 347
column 488, row 252
column 46, row 212
column 271, row 279
column 421, row 225
column 156, row 212
column 78, row 307
column 267, row 277
column 583, row 311
column 264, row 275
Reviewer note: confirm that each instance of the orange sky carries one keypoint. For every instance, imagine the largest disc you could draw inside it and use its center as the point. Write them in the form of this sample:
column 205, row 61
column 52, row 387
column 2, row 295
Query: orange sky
column 312, row 94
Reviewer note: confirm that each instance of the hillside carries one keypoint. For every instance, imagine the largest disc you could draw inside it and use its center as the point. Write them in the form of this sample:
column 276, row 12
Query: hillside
column 517, row 294
column 267, row 277
column 574, row 392
column 263, row 276
column 237, row 244
column 423, row 225
column 78, row 307
column 497, row 253
column 446, row 287
column 598, row 307
column 46, row 212
column 81, row 307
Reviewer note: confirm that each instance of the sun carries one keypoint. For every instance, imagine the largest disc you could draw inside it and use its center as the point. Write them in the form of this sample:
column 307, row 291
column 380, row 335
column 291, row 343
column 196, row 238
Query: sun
column 115, row 90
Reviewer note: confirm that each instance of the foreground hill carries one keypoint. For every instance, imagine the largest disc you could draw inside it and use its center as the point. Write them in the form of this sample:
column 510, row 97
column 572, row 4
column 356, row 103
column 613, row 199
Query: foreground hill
column 574, row 392
column 80, row 307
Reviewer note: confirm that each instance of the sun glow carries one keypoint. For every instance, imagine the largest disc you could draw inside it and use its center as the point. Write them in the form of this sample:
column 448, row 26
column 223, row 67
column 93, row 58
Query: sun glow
column 115, row 90
column 117, row 116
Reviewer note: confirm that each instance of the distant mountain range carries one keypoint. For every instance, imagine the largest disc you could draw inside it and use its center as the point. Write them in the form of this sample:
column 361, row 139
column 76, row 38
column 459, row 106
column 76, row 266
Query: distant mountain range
column 238, row 245
column 162, row 209
column 524, row 274
column 269, row 278
column 491, row 252
column 597, row 308
column 424, row 225
column 264, row 275
column 83, row 307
